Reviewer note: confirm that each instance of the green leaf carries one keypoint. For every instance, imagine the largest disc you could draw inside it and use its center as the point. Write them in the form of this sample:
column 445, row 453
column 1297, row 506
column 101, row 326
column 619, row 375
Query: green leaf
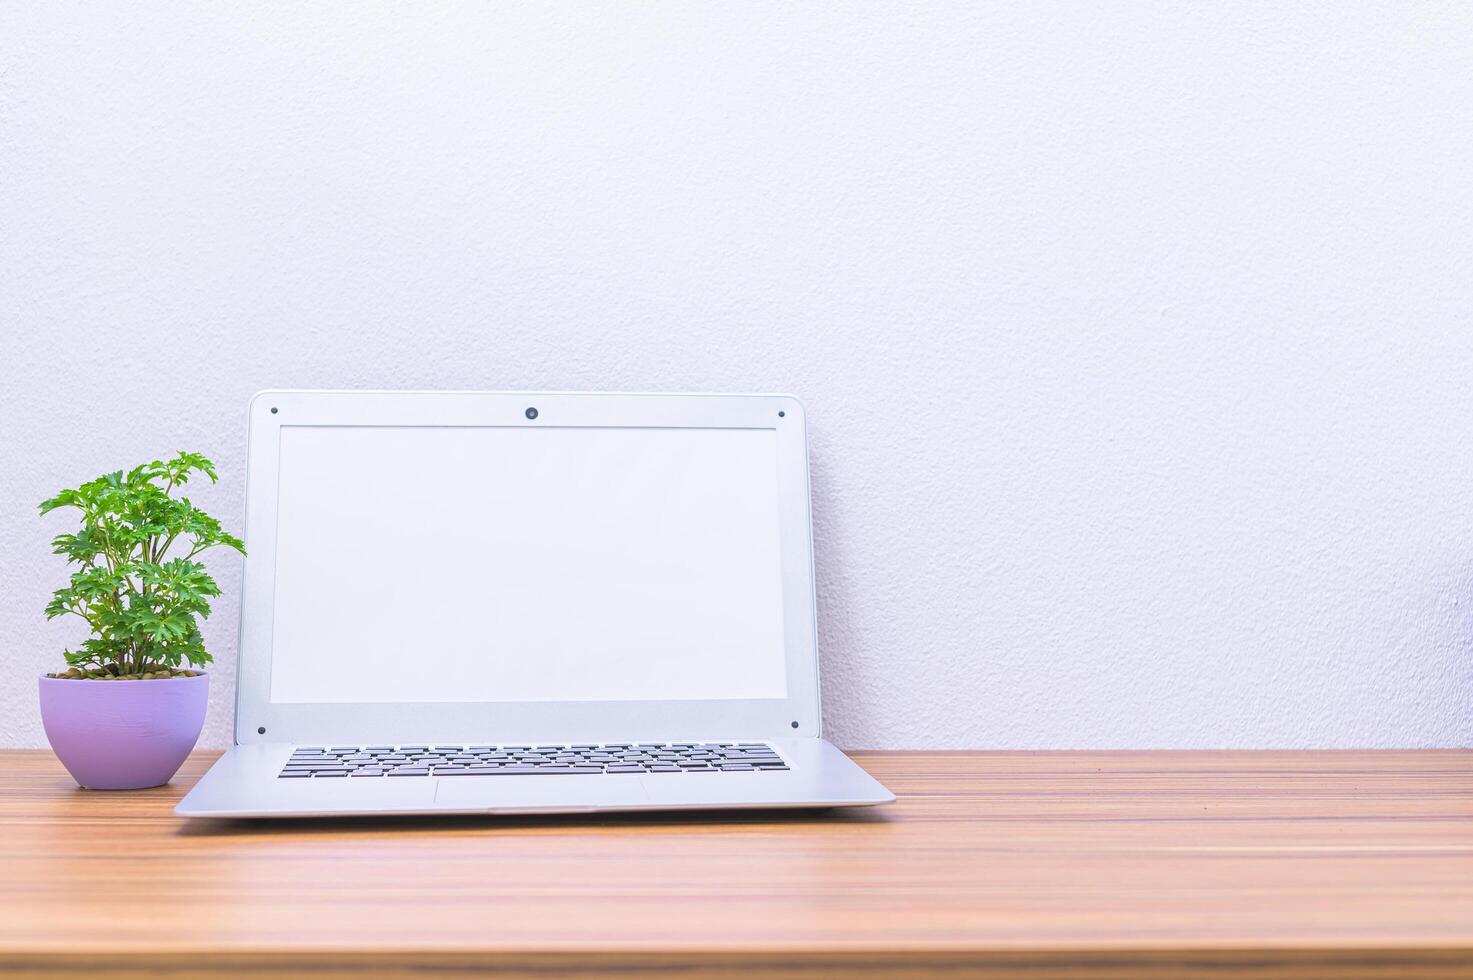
column 67, row 498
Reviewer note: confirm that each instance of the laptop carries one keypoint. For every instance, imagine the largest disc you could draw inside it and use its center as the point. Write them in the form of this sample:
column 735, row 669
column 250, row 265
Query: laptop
column 514, row 603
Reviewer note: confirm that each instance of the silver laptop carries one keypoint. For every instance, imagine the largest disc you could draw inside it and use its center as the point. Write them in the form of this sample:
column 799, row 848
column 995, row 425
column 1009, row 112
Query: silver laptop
column 471, row 602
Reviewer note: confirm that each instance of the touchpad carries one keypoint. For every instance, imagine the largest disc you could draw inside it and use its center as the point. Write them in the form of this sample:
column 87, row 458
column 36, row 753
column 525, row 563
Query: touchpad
column 546, row 793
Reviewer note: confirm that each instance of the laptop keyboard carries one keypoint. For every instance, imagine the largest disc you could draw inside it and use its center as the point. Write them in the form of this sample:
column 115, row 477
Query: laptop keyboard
column 328, row 761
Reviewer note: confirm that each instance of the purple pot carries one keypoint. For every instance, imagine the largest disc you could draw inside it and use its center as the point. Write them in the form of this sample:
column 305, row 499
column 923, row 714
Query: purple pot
column 123, row 734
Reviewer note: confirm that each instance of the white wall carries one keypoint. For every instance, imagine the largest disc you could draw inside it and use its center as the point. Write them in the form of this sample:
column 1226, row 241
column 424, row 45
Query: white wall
column 1136, row 337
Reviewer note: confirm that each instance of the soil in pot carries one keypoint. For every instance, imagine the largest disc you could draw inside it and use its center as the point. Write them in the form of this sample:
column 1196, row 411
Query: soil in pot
column 161, row 673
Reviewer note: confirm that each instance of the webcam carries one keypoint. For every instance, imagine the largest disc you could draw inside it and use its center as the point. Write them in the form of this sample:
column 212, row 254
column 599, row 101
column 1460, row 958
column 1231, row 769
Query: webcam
column 531, row 413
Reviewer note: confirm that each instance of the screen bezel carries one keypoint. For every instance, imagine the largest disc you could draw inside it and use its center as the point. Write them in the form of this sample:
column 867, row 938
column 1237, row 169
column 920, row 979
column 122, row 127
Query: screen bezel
column 396, row 723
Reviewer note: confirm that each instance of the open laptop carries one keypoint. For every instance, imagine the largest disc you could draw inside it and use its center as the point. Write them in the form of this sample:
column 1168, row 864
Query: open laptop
column 472, row 602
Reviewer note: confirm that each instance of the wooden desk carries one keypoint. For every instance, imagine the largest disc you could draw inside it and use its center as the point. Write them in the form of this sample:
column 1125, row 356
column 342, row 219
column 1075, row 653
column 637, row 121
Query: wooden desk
column 1039, row 864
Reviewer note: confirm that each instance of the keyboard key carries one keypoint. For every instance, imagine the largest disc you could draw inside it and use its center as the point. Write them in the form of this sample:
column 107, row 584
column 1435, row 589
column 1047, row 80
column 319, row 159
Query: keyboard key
column 289, row 774
column 330, row 772
column 414, row 771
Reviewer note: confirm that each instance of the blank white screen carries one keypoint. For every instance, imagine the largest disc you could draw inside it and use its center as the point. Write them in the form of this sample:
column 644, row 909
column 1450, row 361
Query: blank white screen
column 526, row 563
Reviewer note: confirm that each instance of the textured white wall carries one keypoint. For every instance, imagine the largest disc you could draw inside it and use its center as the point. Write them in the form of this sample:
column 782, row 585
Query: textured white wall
column 1136, row 337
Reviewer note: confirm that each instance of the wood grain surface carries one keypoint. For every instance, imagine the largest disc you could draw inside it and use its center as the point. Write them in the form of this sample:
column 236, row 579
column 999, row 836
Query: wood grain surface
column 1106, row 864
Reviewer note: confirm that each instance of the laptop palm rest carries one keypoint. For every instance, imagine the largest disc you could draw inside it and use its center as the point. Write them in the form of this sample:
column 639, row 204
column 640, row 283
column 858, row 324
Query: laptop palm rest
column 533, row 794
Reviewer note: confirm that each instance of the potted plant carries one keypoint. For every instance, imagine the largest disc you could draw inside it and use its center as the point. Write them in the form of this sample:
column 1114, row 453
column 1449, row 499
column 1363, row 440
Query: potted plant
column 130, row 705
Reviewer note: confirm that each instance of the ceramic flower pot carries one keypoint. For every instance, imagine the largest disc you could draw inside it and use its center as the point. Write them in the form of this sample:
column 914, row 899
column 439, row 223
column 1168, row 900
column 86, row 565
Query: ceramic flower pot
column 123, row 734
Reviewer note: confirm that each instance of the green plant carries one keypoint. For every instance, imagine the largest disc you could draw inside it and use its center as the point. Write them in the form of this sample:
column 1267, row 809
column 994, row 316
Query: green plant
column 141, row 605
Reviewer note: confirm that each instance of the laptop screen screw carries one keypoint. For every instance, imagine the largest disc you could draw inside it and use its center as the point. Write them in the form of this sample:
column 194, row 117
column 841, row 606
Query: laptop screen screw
column 795, row 724
column 782, row 415
column 262, row 731
column 273, row 411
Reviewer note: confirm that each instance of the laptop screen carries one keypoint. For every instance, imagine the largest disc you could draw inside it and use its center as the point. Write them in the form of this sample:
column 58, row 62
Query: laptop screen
column 527, row 563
